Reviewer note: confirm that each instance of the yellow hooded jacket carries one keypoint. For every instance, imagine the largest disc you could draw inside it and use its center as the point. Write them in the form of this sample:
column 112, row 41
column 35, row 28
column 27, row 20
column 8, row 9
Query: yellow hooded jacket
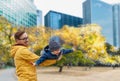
column 23, row 59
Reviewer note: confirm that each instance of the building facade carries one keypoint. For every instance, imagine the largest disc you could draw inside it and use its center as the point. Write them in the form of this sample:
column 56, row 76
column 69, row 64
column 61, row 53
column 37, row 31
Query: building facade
column 98, row 12
column 116, row 24
column 19, row 12
column 56, row 20
column 39, row 18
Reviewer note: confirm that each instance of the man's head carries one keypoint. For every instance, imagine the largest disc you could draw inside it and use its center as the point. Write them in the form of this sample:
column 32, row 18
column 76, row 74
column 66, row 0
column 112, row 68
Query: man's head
column 54, row 47
column 21, row 37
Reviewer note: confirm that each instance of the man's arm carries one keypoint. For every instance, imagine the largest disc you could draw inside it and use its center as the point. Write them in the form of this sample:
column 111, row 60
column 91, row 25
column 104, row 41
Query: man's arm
column 28, row 55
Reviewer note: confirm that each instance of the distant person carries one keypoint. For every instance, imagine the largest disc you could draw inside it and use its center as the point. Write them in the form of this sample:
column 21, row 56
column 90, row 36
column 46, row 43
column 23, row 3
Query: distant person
column 52, row 53
column 23, row 58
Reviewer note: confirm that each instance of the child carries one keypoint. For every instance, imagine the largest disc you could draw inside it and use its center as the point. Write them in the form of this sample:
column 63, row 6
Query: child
column 51, row 54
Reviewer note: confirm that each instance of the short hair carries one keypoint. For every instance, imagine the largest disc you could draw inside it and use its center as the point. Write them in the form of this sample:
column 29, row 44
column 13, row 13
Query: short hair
column 18, row 34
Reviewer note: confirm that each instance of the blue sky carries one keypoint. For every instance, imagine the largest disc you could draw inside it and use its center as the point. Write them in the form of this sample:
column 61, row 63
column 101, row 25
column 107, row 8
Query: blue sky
column 72, row 7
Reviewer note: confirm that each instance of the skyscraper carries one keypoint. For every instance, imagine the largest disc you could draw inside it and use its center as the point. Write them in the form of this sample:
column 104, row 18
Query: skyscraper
column 19, row 12
column 56, row 20
column 39, row 18
column 116, row 24
column 96, row 11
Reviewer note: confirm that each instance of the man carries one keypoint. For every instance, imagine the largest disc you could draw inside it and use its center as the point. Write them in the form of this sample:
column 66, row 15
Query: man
column 23, row 58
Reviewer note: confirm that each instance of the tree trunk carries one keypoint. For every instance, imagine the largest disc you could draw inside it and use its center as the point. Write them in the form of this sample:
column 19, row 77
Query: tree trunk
column 60, row 68
column 69, row 65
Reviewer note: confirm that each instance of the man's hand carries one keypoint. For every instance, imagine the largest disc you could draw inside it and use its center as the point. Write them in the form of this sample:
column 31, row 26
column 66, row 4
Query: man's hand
column 34, row 64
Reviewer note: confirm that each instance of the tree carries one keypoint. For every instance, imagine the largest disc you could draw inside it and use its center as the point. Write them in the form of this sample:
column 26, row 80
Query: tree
column 6, row 40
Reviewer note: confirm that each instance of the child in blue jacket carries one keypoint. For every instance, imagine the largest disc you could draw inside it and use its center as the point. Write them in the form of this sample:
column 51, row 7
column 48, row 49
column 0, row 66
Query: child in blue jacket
column 51, row 54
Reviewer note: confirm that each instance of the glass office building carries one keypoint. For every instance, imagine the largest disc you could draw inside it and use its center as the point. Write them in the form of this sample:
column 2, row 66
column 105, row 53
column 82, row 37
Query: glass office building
column 56, row 20
column 116, row 24
column 19, row 12
column 39, row 18
column 96, row 11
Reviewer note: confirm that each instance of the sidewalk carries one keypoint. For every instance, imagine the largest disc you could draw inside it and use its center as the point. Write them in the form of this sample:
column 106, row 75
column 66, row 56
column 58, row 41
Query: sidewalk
column 106, row 74
column 51, row 74
column 8, row 75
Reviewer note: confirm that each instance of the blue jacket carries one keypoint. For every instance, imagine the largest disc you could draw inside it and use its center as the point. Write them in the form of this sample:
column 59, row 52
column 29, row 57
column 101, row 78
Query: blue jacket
column 47, row 55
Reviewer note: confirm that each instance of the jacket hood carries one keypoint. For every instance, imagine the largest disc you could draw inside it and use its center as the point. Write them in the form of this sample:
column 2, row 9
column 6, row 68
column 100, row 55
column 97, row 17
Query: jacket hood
column 14, row 49
column 46, row 49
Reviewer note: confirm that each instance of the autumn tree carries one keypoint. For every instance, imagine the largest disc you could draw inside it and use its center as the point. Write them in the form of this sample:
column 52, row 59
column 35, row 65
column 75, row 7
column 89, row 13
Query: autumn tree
column 6, row 40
